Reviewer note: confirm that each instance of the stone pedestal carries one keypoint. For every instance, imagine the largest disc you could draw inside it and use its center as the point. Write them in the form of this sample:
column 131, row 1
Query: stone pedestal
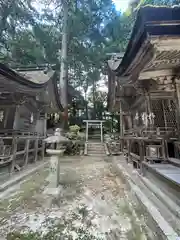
column 56, row 141
column 54, row 187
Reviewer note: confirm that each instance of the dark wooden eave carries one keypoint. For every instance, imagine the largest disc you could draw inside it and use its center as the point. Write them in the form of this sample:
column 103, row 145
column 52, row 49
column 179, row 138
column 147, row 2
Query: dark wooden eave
column 46, row 93
column 37, row 83
column 154, row 44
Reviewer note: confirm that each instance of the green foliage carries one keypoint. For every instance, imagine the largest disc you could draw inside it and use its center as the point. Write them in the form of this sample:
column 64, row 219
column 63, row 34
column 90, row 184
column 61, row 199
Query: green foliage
column 71, row 135
column 31, row 35
column 77, row 141
column 25, row 236
column 73, row 132
column 74, row 129
column 55, row 232
column 107, row 125
column 74, row 148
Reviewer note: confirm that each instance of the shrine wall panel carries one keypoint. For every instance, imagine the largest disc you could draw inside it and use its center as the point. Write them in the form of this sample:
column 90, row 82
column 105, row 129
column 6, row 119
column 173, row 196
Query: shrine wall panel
column 164, row 113
column 41, row 126
column 25, row 119
column 7, row 114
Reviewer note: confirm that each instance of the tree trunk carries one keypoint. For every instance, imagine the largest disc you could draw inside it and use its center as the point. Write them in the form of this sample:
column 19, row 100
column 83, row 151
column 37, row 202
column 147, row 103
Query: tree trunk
column 86, row 106
column 6, row 10
column 64, row 68
column 94, row 99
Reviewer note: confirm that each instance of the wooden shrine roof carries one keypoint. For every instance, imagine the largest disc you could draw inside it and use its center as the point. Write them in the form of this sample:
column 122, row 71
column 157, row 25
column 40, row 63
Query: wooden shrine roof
column 39, row 83
column 36, row 76
column 41, row 87
column 154, row 43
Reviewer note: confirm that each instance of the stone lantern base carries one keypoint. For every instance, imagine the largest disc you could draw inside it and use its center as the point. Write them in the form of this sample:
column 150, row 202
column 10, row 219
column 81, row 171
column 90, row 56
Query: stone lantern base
column 54, row 188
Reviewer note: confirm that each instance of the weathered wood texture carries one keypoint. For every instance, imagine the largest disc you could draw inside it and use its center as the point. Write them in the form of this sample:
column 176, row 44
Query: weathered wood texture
column 23, row 149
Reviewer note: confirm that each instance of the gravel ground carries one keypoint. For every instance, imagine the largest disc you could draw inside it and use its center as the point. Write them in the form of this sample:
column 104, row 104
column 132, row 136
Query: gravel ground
column 94, row 203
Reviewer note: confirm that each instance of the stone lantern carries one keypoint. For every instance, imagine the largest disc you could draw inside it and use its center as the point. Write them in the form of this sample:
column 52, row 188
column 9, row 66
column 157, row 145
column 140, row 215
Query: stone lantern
column 56, row 151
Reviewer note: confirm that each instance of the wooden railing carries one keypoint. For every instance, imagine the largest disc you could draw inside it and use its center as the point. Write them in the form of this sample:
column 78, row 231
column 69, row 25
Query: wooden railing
column 160, row 131
column 154, row 131
column 148, row 144
column 16, row 144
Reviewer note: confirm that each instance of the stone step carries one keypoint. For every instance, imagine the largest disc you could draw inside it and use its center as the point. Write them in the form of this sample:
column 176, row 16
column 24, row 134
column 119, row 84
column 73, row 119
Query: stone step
column 96, row 150
column 96, row 147
column 166, row 206
column 163, row 205
column 164, row 198
column 97, row 144
column 154, row 196
column 96, row 155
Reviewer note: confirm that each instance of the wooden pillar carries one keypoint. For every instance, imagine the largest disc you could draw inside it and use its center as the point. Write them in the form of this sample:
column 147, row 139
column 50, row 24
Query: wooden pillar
column 43, row 149
column 27, row 151
column 45, row 124
column 128, row 150
column 121, row 120
column 165, row 149
column 45, row 134
column 121, row 126
column 14, row 151
column 129, row 121
column 36, row 149
column 164, row 115
column 148, row 108
column 87, row 131
column 142, row 154
column 177, row 102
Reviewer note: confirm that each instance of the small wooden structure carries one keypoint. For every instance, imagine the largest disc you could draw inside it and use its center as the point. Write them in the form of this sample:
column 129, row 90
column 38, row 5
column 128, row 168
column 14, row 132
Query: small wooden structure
column 144, row 87
column 26, row 96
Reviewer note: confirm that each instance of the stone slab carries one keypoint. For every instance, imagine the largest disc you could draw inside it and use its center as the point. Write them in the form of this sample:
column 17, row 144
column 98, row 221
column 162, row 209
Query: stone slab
column 169, row 172
column 166, row 230
column 54, row 192
column 162, row 166
column 21, row 176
